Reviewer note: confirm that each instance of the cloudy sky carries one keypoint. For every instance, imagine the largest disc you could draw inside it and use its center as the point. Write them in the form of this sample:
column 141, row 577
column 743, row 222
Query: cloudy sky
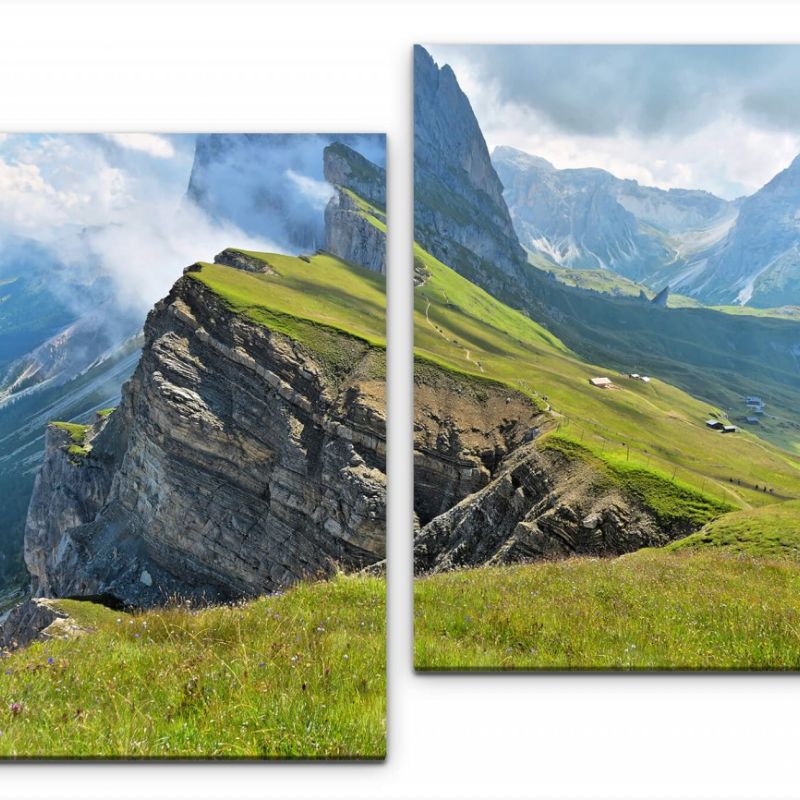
column 721, row 118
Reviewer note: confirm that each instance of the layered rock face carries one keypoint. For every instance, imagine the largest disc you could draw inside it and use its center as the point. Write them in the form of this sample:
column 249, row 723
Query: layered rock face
column 538, row 505
column 462, row 433
column 459, row 212
column 353, row 236
column 355, row 225
column 235, row 465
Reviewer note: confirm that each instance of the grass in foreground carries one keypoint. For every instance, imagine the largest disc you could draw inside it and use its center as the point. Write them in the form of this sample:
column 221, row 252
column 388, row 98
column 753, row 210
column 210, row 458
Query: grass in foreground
column 300, row 675
column 649, row 610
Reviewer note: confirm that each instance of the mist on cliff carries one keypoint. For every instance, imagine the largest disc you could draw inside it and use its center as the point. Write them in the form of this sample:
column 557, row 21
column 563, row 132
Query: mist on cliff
column 272, row 184
column 114, row 218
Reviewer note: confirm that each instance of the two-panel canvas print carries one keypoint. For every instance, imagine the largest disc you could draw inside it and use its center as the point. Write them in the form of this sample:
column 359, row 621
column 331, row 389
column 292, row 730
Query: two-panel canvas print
column 606, row 439
column 193, row 445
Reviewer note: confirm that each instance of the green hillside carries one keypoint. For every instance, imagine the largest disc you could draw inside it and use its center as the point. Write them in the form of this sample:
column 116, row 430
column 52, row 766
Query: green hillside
column 321, row 290
column 769, row 532
column 298, row 675
column 727, row 597
column 653, row 426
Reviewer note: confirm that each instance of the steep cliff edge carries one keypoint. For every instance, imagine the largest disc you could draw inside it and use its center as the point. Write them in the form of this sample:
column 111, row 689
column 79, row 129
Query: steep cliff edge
column 241, row 458
column 355, row 219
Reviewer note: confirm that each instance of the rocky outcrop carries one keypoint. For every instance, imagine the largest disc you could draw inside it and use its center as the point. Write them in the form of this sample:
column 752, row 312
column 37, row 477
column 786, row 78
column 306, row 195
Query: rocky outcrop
column 343, row 166
column 238, row 259
column 662, row 298
column 539, row 505
column 463, row 429
column 353, row 234
column 355, row 222
column 459, row 212
column 236, row 464
column 28, row 621
column 69, row 491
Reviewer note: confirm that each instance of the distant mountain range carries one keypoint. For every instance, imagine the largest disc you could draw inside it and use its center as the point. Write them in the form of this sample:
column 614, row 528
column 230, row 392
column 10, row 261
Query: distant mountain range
column 745, row 251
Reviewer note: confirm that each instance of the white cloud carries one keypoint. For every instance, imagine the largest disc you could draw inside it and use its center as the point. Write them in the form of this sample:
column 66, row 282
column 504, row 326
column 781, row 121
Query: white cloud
column 28, row 201
column 54, row 182
column 150, row 143
column 145, row 253
column 318, row 192
column 101, row 214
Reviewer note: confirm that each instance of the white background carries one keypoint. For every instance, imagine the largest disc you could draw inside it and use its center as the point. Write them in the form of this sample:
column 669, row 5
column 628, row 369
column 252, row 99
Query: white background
column 307, row 66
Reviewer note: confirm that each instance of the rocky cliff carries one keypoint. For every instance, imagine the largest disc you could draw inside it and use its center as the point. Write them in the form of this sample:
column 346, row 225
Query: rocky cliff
column 355, row 220
column 235, row 465
column 494, row 484
column 538, row 505
column 459, row 211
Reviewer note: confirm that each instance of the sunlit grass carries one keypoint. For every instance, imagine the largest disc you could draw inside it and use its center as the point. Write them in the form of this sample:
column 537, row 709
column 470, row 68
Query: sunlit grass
column 649, row 610
column 299, row 675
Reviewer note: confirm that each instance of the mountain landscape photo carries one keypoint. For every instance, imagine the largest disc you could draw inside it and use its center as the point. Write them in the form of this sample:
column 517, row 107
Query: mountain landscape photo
column 607, row 357
column 192, row 445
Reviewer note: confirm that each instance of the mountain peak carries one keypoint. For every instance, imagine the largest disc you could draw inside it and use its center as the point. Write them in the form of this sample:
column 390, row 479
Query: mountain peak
column 460, row 213
column 520, row 159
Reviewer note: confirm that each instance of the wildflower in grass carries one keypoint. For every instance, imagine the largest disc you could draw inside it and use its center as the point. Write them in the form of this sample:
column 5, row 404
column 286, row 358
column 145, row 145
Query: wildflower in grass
column 50, row 660
column 261, row 664
column 16, row 708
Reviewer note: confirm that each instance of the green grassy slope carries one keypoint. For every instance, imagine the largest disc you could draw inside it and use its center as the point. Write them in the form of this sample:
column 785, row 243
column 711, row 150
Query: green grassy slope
column 336, row 309
column 769, row 532
column 298, row 675
column 727, row 597
column 648, row 610
column 322, row 290
column 654, row 426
